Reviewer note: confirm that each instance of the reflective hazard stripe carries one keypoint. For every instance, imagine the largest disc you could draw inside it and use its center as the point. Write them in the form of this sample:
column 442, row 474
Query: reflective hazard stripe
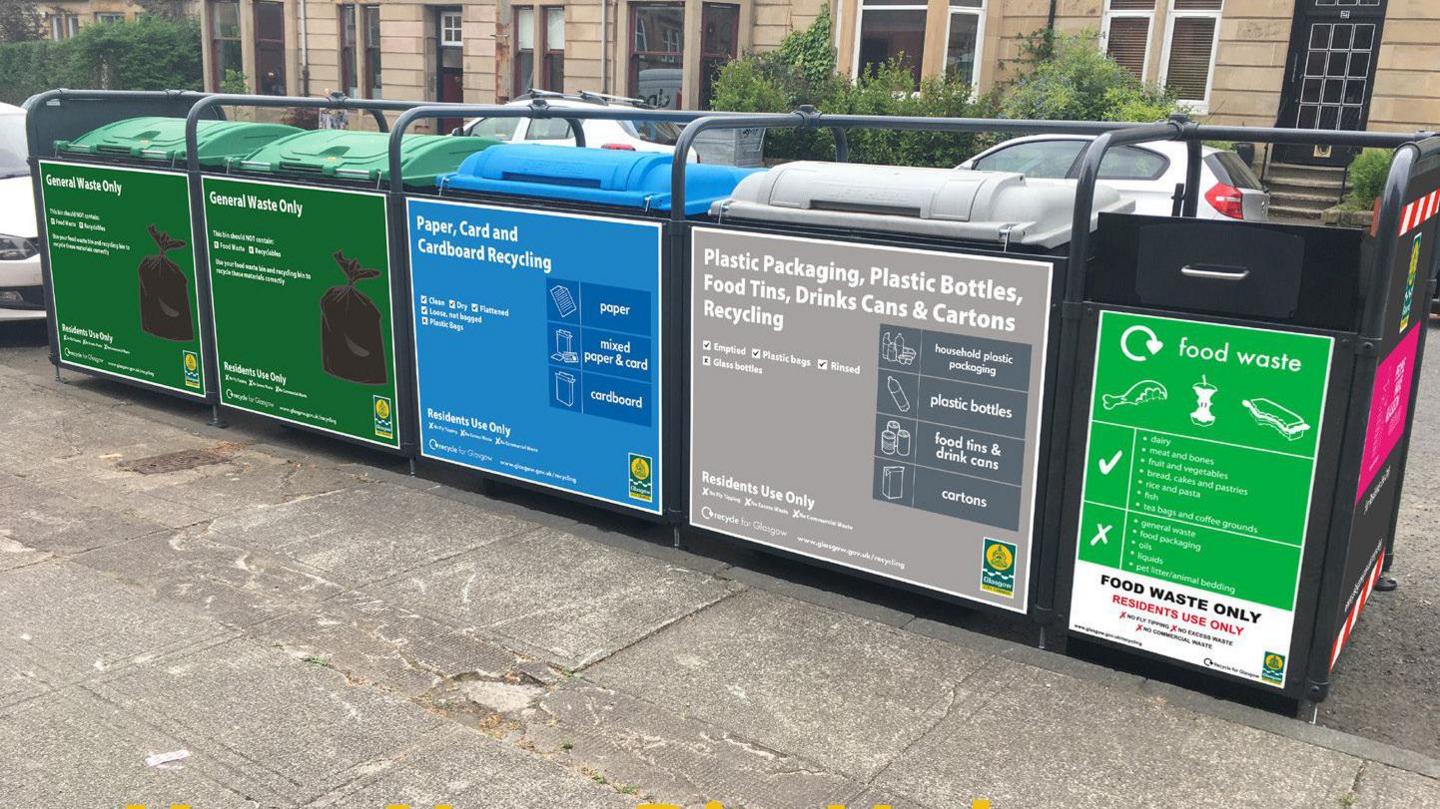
column 1355, row 611
column 1419, row 212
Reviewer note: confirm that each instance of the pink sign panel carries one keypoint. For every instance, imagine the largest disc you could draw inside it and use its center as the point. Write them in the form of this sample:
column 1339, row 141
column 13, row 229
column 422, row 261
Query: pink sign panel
column 1389, row 405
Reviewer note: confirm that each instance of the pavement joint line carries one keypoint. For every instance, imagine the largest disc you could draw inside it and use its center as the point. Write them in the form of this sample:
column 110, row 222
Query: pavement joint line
column 656, row 630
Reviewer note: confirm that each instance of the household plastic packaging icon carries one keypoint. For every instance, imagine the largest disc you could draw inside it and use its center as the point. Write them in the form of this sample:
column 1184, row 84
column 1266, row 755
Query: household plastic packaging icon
column 164, row 292
column 351, row 345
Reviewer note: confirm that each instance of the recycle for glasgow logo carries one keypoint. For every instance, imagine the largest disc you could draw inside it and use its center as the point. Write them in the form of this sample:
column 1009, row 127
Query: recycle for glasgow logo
column 997, row 567
column 1272, row 669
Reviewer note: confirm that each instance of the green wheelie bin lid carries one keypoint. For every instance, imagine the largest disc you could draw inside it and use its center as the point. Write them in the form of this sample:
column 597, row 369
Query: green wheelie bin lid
column 363, row 156
column 161, row 139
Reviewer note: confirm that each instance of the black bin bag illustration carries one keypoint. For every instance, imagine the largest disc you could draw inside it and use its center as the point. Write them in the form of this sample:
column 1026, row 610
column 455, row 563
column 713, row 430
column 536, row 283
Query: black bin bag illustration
column 351, row 345
column 165, row 293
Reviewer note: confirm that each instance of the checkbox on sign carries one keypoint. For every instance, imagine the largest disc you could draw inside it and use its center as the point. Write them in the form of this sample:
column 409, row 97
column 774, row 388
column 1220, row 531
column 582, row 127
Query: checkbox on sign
column 424, row 321
column 704, row 360
column 755, row 352
column 822, row 364
column 705, row 345
column 424, row 310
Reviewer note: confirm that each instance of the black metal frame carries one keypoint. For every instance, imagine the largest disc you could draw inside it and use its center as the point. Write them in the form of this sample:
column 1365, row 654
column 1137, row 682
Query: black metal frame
column 47, row 119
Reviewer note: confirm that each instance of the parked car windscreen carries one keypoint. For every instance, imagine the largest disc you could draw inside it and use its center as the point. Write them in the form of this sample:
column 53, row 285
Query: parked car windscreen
column 1232, row 171
column 12, row 146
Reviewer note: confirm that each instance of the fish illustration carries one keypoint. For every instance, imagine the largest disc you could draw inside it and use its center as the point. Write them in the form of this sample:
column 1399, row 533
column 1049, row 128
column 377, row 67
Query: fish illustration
column 1146, row 390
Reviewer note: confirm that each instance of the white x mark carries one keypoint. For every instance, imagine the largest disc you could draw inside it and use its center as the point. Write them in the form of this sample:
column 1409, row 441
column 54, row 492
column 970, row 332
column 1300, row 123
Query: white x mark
column 1101, row 534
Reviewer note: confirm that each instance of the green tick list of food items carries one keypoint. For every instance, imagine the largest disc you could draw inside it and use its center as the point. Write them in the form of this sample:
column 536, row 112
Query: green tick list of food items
column 122, row 273
column 1199, row 472
column 300, row 277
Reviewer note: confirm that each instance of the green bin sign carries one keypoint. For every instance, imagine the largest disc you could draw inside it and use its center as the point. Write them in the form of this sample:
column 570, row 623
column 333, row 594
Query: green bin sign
column 300, row 277
column 123, row 274
column 1199, row 472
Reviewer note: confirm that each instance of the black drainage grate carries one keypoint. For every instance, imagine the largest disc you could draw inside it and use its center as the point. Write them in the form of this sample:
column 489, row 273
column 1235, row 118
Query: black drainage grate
column 173, row 461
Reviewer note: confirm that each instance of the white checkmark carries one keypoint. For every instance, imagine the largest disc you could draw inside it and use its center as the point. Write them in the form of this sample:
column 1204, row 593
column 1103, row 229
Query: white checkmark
column 1106, row 466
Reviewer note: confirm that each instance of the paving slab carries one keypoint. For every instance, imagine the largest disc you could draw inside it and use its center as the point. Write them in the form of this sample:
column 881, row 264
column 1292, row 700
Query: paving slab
column 1381, row 786
column 18, row 684
column 236, row 586
column 66, row 623
column 844, row 692
column 553, row 596
column 468, row 770
column 373, row 641
column 1037, row 739
column 71, row 749
column 36, row 519
column 671, row 757
column 278, row 727
column 366, row 533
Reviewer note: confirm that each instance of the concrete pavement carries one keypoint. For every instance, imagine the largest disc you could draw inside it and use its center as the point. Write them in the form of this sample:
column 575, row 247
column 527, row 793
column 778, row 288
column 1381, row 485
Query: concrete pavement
column 316, row 628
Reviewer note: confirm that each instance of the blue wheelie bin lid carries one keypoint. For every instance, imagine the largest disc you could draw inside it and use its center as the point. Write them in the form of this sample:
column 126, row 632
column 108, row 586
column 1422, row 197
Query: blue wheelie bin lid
column 619, row 178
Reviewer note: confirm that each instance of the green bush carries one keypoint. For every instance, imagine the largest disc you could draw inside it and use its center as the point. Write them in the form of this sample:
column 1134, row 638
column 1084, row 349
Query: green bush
column 1068, row 77
column 151, row 53
column 1367, row 178
column 801, row 72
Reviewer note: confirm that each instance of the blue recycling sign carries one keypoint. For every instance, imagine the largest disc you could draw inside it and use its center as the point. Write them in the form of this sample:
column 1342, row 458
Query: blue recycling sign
column 537, row 342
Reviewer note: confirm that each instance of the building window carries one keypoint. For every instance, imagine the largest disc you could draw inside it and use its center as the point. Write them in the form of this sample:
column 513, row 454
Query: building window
column 349, row 68
column 270, row 48
column 371, row 18
column 552, row 67
column 1191, row 36
column 109, row 16
column 451, row 32
column 657, row 47
column 1127, row 34
column 719, row 42
column 890, row 30
column 962, row 45
column 524, row 50
column 225, row 49
column 64, row 25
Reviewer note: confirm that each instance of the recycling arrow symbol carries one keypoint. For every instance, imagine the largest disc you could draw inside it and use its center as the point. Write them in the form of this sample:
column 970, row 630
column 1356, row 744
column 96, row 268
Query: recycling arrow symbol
column 1152, row 343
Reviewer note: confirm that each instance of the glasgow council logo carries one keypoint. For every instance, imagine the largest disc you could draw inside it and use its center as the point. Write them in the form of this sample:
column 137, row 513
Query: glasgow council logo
column 997, row 567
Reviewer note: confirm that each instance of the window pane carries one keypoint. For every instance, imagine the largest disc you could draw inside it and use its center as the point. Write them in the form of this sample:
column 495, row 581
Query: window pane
column 656, row 80
column 228, row 54
column 1127, row 41
column 961, row 48
column 967, row 3
column 1132, row 5
column 886, row 35
column 1189, row 69
column 226, row 17
column 497, row 128
column 372, row 26
column 555, row 71
column 1047, row 159
column 525, row 29
column 555, row 29
column 1198, row 5
column 548, row 129
column 720, row 23
column 270, row 21
column 1131, row 163
column 524, row 72
column 658, row 29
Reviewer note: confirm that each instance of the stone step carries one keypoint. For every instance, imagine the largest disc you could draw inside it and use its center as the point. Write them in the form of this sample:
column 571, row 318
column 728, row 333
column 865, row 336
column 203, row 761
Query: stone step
column 1284, row 212
column 1303, row 200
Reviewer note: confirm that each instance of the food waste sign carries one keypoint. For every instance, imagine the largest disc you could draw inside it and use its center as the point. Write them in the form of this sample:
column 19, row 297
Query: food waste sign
column 873, row 407
column 1199, row 472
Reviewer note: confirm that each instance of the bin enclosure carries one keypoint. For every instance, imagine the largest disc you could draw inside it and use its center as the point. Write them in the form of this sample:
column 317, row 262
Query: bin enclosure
column 362, row 157
column 864, row 393
column 156, row 138
column 558, row 297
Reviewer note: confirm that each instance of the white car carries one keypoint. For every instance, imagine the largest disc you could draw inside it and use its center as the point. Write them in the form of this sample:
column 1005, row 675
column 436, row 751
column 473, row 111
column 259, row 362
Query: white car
column 1147, row 173
column 22, row 295
column 626, row 135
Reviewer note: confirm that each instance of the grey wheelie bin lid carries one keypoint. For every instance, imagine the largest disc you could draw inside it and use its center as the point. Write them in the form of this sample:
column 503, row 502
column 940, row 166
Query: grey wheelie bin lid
column 983, row 206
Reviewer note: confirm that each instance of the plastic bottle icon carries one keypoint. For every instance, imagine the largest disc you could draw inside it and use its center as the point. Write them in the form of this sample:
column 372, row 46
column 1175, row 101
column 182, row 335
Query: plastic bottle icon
column 888, row 350
column 897, row 393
